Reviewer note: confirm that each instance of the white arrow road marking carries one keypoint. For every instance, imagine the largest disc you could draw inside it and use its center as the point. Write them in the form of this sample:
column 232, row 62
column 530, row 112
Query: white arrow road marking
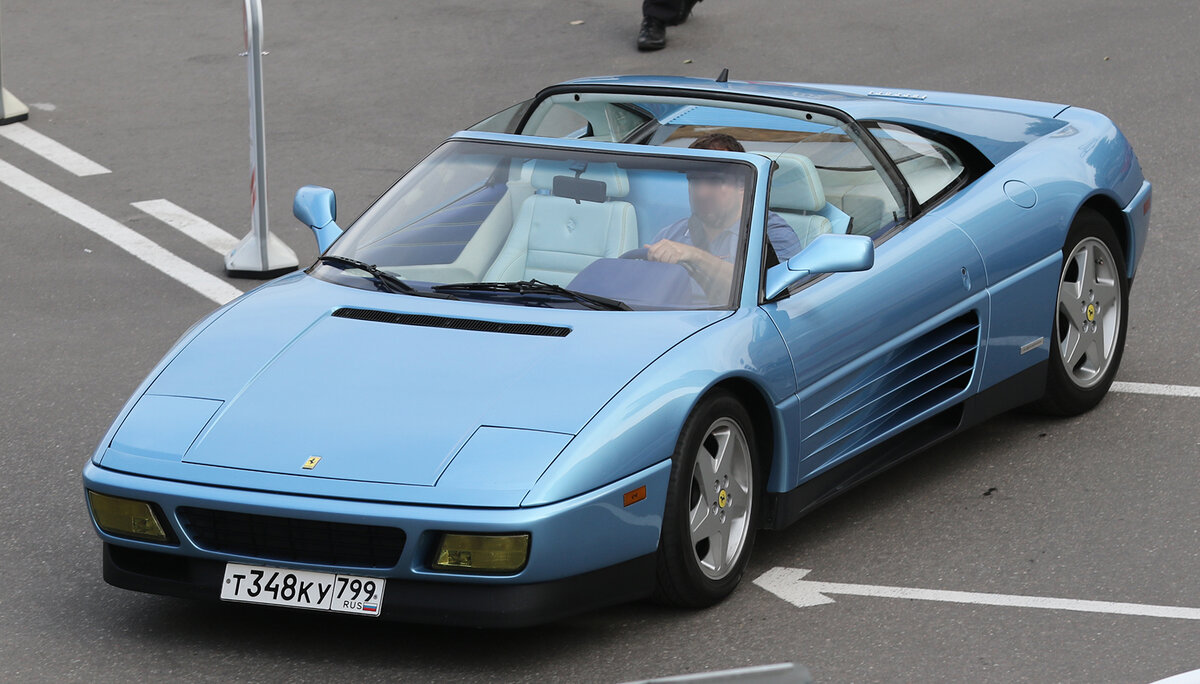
column 119, row 234
column 1153, row 388
column 789, row 584
column 51, row 150
column 189, row 224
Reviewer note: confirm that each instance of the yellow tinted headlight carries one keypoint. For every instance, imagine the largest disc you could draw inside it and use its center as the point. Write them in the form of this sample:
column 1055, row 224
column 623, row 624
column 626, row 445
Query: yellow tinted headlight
column 126, row 517
column 497, row 553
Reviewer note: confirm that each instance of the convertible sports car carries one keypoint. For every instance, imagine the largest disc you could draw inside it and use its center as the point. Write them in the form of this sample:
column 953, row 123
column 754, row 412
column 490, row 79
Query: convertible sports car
column 568, row 360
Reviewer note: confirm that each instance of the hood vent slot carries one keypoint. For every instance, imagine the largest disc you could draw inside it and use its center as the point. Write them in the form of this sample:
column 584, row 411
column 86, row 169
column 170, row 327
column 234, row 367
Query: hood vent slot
column 452, row 323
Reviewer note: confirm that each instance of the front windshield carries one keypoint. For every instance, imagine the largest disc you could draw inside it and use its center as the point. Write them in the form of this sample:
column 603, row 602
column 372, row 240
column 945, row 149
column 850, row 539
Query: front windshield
column 647, row 232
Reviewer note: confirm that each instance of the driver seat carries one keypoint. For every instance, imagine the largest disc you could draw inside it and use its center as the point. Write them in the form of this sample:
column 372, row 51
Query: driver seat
column 555, row 237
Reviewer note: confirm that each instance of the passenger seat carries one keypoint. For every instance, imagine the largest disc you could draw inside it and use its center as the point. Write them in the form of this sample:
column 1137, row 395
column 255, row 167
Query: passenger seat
column 555, row 237
column 797, row 196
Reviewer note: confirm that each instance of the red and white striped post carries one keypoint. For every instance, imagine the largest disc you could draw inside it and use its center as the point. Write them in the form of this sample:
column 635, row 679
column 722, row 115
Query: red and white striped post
column 259, row 254
column 12, row 110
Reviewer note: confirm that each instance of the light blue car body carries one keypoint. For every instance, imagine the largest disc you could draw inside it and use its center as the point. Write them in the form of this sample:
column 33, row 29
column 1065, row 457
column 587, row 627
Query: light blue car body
column 436, row 430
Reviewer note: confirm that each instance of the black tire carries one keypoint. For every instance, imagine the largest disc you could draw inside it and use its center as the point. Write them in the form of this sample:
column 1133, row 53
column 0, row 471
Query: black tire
column 687, row 576
column 1072, row 389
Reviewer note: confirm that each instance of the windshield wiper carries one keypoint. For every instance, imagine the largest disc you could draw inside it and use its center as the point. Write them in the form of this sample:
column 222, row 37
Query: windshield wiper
column 391, row 282
column 537, row 287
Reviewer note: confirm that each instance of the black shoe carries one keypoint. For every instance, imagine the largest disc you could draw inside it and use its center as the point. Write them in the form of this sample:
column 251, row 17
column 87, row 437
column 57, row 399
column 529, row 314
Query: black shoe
column 687, row 12
column 653, row 35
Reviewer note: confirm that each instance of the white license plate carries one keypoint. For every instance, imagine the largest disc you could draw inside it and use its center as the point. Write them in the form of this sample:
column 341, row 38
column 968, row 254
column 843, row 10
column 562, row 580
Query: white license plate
column 303, row 589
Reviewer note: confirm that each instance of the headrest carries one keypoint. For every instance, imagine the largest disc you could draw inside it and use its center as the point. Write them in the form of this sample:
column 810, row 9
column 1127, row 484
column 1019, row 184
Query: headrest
column 795, row 185
column 614, row 178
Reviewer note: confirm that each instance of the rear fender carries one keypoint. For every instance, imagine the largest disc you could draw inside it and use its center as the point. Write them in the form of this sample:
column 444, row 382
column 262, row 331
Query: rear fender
column 1019, row 212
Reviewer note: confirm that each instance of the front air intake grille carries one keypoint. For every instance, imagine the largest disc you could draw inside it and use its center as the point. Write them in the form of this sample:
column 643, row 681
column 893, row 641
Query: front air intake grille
column 452, row 323
column 293, row 539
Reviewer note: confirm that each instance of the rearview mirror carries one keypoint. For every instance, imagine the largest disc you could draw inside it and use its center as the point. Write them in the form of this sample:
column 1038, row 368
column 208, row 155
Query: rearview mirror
column 828, row 253
column 316, row 207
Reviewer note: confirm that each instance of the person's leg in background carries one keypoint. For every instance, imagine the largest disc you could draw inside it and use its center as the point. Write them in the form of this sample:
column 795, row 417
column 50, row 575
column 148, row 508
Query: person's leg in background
column 657, row 15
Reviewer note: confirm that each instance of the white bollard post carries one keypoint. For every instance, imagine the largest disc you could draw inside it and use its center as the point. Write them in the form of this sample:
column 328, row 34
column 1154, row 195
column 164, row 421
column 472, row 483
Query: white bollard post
column 12, row 110
column 259, row 254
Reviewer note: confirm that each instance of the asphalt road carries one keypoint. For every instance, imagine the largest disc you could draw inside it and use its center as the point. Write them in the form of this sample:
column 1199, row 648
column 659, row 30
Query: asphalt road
column 1101, row 507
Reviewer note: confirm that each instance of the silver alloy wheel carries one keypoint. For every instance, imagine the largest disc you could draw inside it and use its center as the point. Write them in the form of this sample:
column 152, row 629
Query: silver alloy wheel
column 1089, row 312
column 721, row 492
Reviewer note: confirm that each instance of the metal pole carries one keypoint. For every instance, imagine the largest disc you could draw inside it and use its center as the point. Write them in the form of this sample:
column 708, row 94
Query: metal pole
column 258, row 125
column 259, row 254
column 12, row 110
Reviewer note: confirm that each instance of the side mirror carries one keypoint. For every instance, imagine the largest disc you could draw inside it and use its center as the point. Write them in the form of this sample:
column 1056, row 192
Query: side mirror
column 828, row 253
column 316, row 207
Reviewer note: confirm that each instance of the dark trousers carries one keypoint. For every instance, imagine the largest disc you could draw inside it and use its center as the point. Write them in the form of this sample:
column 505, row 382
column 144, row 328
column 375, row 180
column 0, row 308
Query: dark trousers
column 665, row 10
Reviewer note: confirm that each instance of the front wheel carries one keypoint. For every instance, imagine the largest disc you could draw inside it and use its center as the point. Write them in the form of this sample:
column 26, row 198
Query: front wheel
column 1090, row 320
column 712, row 506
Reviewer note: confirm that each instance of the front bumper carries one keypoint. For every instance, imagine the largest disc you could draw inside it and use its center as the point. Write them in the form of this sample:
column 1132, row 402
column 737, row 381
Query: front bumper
column 435, row 603
column 585, row 552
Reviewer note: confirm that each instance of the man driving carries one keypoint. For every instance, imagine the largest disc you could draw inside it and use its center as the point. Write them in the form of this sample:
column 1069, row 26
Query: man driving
column 706, row 242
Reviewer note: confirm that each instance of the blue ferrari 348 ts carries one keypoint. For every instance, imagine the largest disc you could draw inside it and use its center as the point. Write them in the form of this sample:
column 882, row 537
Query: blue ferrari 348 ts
column 585, row 349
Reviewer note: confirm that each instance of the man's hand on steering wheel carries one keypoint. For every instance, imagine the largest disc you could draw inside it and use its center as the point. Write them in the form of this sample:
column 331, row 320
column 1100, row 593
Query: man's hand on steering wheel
column 671, row 252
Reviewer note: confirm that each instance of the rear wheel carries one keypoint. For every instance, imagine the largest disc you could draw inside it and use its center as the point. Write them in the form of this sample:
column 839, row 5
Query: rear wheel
column 1090, row 320
column 711, row 510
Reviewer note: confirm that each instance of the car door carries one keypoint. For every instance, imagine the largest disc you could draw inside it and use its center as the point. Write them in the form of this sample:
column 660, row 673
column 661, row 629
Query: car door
column 877, row 351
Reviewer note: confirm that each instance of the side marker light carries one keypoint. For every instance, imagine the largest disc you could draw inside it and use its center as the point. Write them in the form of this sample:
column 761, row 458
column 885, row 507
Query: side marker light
column 635, row 496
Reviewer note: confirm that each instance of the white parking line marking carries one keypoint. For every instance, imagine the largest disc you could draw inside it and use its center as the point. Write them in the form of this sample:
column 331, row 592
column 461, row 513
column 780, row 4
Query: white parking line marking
column 789, row 585
column 189, row 224
column 117, row 233
column 51, row 150
column 1152, row 388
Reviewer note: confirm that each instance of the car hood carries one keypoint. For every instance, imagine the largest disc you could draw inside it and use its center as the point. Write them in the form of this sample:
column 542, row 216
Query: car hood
column 390, row 388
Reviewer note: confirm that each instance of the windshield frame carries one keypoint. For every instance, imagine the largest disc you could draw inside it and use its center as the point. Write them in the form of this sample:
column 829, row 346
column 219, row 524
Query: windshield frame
column 747, row 265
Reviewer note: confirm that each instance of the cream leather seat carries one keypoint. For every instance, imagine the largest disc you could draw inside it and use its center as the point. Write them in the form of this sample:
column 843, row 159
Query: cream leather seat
column 797, row 196
column 555, row 237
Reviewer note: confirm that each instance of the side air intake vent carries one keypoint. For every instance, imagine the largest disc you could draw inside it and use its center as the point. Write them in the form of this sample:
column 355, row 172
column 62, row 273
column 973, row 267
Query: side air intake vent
column 452, row 323
column 892, row 391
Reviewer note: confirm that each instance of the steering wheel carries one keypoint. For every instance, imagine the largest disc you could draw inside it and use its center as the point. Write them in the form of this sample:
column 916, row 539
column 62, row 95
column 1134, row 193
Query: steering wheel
column 643, row 254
